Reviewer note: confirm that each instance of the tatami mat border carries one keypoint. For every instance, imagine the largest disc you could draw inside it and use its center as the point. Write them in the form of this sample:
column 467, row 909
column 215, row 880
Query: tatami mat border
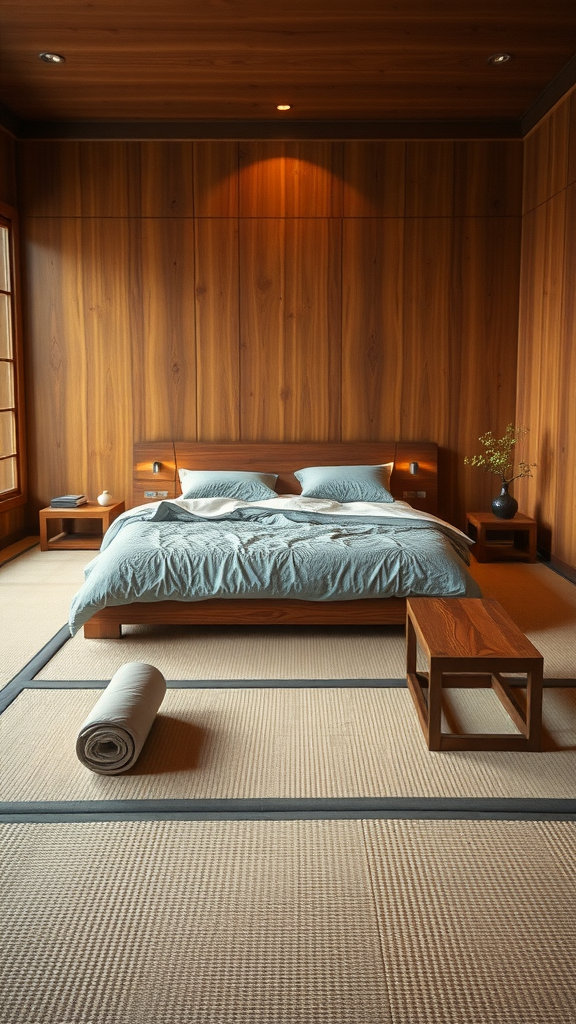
column 14, row 688
column 41, row 659
column 290, row 809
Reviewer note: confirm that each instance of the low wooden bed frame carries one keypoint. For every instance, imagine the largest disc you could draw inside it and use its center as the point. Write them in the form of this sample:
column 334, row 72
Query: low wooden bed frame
column 167, row 457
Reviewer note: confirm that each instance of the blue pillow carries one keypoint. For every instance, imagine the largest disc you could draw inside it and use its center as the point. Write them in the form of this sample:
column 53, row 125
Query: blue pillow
column 346, row 483
column 224, row 483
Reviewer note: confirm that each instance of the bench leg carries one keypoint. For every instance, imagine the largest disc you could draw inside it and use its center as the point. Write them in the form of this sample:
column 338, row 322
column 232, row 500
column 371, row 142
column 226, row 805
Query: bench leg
column 434, row 707
column 534, row 707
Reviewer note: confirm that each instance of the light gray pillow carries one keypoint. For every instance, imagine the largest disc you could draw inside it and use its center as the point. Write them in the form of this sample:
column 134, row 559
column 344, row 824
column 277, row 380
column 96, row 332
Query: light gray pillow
column 346, row 483
column 224, row 483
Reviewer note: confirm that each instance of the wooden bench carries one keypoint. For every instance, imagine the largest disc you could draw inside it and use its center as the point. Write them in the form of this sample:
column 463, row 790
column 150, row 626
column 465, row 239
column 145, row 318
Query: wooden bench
column 469, row 642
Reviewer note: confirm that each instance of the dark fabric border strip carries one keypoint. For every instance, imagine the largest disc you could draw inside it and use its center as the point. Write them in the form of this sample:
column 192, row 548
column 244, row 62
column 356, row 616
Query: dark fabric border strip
column 290, row 809
column 41, row 659
column 14, row 688
column 77, row 819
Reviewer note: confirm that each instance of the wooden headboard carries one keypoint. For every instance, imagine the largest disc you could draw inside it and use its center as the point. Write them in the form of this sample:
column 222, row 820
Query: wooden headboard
column 420, row 489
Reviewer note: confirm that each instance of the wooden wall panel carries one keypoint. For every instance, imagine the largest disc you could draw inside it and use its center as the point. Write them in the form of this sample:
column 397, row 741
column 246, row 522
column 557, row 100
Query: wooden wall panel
column 109, row 303
column 486, row 176
column 291, row 179
column 49, row 179
column 542, row 397
column 429, row 179
column 266, row 291
column 217, row 327
column 216, row 179
column 7, row 168
column 483, row 352
column 427, row 301
column 164, row 351
column 547, row 334
column 56, row 354
column 372, row 328
column 565, row 508
column 546, row 158
column 530, row 326
column 109, row 179
column 290, row 329
column 166, row 179
column 374, row 176
column 571, row 100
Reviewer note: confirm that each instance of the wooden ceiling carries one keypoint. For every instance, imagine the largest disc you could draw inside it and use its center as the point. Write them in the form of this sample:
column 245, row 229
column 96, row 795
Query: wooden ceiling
column 234, row 60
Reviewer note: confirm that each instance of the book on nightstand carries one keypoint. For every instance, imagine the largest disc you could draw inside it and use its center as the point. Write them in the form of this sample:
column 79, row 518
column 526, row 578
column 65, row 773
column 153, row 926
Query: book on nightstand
column 68, row 501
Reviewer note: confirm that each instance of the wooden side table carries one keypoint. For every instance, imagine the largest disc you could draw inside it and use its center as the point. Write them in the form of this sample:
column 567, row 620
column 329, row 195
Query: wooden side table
column 65, row 520
column 502, row 540
column 470, row 642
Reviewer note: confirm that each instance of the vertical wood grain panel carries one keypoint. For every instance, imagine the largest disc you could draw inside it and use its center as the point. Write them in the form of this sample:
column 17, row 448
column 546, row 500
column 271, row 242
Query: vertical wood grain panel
column 427, row 299
column 166, row 179
column 551, row 389
column 547, row 331
column 290, row 329
column 483, row 351
column 542, row 347
column 49, row 178
column 571, row 101
column 429, row 179
column 564, row 519
column 262, row 272
column 487, row 177
column 164, row 354
column 530, row 327
column 7, row 168
column 372, row 328
column 291, row 179
column 13, row 525
column 107, row 287
column 546, row 157
column 217, row 327
column 56, row 355
column 425, row 394
column 374, row 179
column 109, row 179
column 216, row 179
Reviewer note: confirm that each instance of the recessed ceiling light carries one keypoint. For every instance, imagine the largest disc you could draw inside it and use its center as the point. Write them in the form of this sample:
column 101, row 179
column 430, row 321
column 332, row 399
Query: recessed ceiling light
column 499, row 58
column 52, row 58
column 283, row 106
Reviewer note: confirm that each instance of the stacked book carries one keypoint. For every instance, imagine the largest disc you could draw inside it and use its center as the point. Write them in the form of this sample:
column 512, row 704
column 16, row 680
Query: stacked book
column 68, row 501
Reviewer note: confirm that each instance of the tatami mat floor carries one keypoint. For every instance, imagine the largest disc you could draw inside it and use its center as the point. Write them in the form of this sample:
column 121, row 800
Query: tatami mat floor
column 303, row 921
column 286, row 743
column 36, row 588
column 316, row 922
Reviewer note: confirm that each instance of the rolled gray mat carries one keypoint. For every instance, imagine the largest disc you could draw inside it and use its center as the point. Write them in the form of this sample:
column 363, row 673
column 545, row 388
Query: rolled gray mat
column 111, row 738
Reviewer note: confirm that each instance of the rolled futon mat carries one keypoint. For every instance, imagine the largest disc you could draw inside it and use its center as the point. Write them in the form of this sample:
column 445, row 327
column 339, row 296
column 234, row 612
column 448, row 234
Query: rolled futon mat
column 113, row 735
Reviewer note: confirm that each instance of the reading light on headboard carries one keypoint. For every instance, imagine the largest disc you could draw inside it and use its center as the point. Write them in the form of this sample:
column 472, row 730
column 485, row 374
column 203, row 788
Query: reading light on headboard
column 156, row 467
column 413, row 467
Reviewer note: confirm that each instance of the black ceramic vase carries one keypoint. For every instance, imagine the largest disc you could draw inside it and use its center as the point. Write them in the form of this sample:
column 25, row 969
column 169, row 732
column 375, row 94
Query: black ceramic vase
column 505, row 506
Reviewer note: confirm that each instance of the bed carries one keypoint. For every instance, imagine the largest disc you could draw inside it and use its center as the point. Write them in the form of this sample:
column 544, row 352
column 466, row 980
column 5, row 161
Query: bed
column 162, row 529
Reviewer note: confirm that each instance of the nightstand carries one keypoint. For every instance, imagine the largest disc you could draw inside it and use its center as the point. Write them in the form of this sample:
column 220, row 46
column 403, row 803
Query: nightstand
column 502, row 540
column 67, row 521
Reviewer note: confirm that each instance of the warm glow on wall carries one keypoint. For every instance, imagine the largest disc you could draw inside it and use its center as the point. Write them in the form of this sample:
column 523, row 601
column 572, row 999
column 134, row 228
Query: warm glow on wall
column 283, row 106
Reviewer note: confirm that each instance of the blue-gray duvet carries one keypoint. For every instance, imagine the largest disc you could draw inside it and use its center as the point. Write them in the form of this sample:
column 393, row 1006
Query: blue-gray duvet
column 308, row 549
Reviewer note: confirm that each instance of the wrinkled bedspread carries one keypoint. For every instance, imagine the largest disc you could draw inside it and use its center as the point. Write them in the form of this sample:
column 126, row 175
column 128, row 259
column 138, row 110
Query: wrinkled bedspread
column 309, row 549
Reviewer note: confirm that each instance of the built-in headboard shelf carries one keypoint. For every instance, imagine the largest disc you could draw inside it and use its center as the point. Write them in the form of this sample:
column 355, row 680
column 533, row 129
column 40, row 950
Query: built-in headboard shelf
column 420, row 489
